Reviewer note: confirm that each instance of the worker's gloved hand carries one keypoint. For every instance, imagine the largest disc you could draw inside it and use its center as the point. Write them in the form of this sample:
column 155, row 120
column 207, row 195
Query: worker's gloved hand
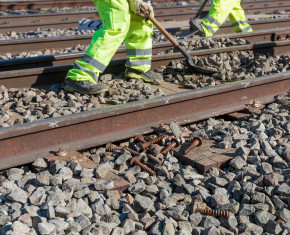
column 141, row 7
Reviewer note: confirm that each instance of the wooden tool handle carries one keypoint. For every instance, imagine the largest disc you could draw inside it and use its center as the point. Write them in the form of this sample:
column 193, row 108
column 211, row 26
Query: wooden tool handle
column 200, row 10
column 163, row 31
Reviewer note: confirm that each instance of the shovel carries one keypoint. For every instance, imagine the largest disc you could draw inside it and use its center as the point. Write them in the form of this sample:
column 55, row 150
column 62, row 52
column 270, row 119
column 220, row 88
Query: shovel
column 192, row 32
column 206, row 70
column 200, row 10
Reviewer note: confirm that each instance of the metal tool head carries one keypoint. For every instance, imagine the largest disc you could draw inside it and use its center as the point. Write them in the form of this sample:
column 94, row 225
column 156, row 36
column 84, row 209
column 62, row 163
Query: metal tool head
column 205, row 70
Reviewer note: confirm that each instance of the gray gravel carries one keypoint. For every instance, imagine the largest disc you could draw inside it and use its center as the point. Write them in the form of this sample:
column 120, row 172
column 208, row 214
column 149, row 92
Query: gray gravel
column 64, row 198
column 45, row 33
column 77, row 48
column 193, row 45
column 27, row 105
column 232, row 67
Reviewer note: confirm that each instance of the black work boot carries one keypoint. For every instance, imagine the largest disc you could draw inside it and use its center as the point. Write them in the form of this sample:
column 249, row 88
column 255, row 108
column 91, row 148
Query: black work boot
column 148, row 76
column 194, row 26
column 84, row 87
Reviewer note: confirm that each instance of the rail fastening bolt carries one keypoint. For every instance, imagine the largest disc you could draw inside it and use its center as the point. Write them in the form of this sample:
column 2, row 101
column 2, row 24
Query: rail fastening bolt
column 154, row 159
column 136, row 161
column 140, row 138
column 131, row 151
column 174, row 143
column 145, row 145
column 196, row 142
column 220, row 213
column 113, row 149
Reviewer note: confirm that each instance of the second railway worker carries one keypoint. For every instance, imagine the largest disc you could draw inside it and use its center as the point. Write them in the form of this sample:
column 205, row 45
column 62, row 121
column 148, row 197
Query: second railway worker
column 122, row 20
column 219, row 11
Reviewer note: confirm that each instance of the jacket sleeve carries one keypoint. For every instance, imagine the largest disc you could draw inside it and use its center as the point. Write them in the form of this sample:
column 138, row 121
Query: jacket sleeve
column 133, row 6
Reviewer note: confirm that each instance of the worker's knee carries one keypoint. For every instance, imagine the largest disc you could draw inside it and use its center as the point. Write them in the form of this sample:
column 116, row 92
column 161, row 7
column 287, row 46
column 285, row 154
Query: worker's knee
column 119, row 30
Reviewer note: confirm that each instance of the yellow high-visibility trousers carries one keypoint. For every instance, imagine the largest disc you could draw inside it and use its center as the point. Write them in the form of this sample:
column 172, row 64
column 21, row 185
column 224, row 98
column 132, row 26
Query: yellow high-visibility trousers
column 219, row 11
column 119, row 24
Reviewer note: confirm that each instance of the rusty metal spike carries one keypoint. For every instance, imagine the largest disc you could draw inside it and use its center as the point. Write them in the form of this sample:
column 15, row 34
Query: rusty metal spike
column 140, row 138
column 196, row 142
column 131, row 151
column 112, row 149
column 220, row 213
column 145, row 145
column 157, row 139
column 154, row 159
column 136, row 161
column 174, row 142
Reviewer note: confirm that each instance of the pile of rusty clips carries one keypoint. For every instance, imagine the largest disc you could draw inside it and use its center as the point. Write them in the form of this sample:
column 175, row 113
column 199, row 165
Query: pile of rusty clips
column 155, row 155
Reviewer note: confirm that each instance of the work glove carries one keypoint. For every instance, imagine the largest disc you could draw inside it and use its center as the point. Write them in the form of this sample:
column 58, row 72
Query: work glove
column 141, row 7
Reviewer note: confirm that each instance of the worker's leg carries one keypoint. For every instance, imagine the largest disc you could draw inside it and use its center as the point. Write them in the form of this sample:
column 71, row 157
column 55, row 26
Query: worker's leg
column 139, row 49
column 238, row 19
column 219, row 11
column 105, row 42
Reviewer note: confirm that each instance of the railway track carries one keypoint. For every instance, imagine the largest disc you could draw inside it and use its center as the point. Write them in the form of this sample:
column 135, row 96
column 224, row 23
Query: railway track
column 265, row 29
column 26, row 142
column 262, row 7
column 71, row 184
column 66, row 59
column 45, row 76
column 32, row 5
column 24, row 23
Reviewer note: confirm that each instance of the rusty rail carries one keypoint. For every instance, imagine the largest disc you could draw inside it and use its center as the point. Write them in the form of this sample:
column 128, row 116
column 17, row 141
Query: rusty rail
column 24, row 143
column 46, row 76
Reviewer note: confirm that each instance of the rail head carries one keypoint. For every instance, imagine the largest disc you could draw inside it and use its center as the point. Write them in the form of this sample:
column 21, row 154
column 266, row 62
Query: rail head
column 51, row 123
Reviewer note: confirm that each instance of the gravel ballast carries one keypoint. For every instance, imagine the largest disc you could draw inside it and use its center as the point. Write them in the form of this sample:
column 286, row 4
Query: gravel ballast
column 191, row 45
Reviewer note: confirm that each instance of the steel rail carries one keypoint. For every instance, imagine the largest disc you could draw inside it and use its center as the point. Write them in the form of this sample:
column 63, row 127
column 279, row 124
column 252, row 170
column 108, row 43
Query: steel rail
column 66, row 59
column 24, row 143
column 26, row 45
column 65, row 16
column 44, row 77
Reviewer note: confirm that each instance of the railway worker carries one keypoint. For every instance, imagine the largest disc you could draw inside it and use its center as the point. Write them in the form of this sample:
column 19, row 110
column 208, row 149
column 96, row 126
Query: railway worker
column 219, row 11
column 122, row 20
